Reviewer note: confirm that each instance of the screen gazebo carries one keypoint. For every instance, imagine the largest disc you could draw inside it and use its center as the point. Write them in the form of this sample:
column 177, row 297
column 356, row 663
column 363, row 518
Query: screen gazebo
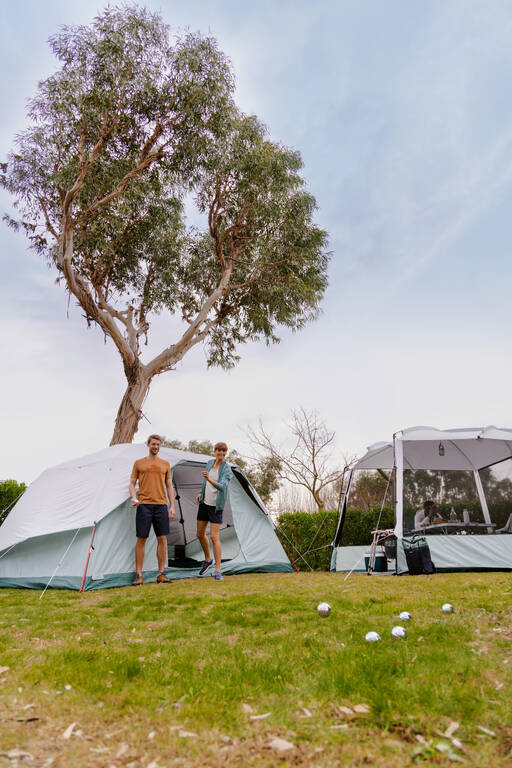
column 426, row 448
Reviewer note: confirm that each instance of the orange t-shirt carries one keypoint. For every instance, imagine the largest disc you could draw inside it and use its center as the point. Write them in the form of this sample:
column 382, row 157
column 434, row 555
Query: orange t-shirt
column 152, row 474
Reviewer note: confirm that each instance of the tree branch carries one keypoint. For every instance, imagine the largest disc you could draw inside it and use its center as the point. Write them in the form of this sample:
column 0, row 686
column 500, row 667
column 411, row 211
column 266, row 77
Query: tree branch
column 193, row 334
column 104, row 315
column 49, row 225
column 106, row 133
column 145, row 160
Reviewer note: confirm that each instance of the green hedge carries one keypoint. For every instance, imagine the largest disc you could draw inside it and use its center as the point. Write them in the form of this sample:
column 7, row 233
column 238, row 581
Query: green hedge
column 358, row 527
column 297, row 530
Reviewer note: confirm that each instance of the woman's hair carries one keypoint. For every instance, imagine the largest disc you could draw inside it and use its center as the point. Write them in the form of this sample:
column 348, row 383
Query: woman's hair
column 222, row 446
column 428, row 504
column 153, row 437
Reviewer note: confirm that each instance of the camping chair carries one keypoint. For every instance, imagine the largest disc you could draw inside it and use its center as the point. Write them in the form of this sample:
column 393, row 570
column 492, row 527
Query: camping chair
column 507, row 528
column 383, row 538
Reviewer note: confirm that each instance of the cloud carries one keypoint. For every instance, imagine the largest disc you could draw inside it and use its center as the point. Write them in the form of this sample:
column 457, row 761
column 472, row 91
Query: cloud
column 401, row 112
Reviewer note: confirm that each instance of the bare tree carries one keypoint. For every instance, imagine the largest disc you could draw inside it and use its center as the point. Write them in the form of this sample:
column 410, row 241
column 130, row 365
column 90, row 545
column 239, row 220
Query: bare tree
column 334, row 493
column 309, row 464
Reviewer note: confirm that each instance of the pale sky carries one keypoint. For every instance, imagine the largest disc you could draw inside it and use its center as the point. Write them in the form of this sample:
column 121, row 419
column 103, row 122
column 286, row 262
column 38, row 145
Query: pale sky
column 402, row 113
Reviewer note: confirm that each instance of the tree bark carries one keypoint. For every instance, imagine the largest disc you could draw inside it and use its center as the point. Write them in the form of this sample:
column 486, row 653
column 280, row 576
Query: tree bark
column 318, row 499
column 130, row 410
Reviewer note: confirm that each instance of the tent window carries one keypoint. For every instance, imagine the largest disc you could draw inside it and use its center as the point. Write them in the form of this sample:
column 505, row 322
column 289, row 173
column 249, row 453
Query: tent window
column 497, row 484
column 456, row 497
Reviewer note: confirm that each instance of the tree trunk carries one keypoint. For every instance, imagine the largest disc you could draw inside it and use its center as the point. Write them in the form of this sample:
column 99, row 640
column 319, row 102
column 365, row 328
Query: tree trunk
column 318, row 499
column 130, row 410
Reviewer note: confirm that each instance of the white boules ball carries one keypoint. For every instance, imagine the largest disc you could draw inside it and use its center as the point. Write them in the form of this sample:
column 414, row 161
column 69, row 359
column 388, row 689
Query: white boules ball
column 405, row 616
column 324, row 609
column 447, row 608
column 372, row 637
column 398, row 631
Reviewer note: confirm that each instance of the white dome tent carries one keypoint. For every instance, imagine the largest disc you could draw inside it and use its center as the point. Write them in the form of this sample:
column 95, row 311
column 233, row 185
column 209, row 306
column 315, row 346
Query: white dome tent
column 427, row 448
column 74, row 527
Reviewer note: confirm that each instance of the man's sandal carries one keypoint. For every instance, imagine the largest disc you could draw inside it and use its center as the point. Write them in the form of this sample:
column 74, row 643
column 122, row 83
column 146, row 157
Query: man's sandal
column 162, row 578
column 137, row 582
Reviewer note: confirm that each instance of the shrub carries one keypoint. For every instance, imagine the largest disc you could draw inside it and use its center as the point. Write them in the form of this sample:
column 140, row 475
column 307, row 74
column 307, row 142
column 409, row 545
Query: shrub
column 10, row 491
column 297, row 532
column 358, row 527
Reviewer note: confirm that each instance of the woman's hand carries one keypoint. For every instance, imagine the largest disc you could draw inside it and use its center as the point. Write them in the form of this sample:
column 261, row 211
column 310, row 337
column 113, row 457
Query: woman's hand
column 198, row 498
column 205, row 474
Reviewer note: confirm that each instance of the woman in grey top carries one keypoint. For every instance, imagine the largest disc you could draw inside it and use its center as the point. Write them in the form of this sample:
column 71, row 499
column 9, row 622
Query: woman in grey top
column 212, row 500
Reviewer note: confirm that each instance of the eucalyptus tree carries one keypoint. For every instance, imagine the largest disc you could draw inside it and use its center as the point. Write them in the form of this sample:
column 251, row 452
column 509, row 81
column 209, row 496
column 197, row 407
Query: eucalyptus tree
column 122, row 137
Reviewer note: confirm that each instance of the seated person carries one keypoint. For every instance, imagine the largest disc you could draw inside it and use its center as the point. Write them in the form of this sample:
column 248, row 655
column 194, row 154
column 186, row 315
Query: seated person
column 507, row 528
column 428, row 515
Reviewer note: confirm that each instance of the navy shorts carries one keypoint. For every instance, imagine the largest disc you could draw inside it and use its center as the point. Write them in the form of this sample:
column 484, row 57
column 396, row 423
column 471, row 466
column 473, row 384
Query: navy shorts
column 156, row 514
column 208, row 514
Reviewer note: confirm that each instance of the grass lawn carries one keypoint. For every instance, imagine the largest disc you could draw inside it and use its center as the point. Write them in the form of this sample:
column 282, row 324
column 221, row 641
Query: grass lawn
column 245, row 673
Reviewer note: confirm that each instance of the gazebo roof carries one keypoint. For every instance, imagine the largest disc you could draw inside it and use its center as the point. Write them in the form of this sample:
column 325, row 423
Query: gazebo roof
column 438, row 449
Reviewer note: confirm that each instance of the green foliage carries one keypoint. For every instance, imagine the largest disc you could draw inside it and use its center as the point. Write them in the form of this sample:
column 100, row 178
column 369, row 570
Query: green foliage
column 495, row 489
column 253, row 193
column 499, row 511
column 453, row 486
column 265, row 476
column 303, row 531
column 309, row 535
column 204, row 447
column 358, row 526
column 369, row 489
column 129, row 126
column 10, row 492
column 120, row 80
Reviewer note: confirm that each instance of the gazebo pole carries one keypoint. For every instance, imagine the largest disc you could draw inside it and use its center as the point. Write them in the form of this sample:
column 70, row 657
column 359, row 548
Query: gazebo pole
column 483, row 500
column 342, row 508
column 398, row 454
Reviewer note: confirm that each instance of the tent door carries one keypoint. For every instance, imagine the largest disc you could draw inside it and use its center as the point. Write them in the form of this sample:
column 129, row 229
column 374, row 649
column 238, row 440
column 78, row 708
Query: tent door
column 183, row 547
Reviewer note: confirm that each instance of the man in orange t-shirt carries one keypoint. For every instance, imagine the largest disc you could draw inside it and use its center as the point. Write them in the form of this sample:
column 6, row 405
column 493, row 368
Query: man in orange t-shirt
column 154, row 477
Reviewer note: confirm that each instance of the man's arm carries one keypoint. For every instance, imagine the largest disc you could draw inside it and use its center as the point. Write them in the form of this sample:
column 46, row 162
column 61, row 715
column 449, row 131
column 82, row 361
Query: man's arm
column 133, row 480
column 170, row 493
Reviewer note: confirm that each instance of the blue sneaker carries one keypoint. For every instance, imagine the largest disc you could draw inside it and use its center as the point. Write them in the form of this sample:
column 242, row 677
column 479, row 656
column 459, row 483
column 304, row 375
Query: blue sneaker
column 217, row 576
column 205, row 565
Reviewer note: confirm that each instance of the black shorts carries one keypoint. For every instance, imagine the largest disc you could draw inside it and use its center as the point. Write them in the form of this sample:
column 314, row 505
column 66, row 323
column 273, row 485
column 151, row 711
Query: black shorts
column 208, row 514
column 156, row 514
